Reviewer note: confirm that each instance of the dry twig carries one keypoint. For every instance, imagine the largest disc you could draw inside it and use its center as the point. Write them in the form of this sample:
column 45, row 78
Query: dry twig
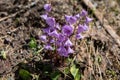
column 106, row 25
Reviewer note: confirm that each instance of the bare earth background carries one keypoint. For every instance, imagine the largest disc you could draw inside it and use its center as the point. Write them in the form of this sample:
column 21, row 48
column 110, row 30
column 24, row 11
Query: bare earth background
column 16, row 31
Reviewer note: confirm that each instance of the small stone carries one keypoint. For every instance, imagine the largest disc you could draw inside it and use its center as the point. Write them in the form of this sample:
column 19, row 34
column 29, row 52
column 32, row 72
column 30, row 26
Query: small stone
column 112, row 4
column 7, row 40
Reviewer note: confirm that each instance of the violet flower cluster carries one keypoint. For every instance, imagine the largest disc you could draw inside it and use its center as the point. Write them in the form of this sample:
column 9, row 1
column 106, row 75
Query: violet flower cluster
column 57, row 37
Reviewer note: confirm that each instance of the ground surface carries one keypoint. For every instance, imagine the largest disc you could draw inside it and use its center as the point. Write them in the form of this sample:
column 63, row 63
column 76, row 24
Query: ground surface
column 16, row 31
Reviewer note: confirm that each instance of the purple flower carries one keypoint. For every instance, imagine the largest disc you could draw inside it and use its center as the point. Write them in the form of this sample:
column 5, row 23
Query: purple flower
column 70, row 50
column 79, row 36
column 43, row 38
column 85, row 27
column 88, row 20
column 52, row 41
column 70, row 19
column 61, row 38
column 58, row 26
column 48, row 47
column 62, row 51
column 47, row 7
column 44, row 16
column 50, row 21
column 82, row 28
column 77, row 16
column 58, row 43
column 68, row 43
column 54, row 34
column 46, row 30
column 83, row 13
column 67, row 30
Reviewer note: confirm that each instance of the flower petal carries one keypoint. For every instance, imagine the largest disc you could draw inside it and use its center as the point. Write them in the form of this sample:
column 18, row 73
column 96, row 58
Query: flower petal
column 52, row 41
column 68, row 43
column 70, row 19
column 62, row 51
column 83, row 13
column 79, row 36
column 67, row 30
column 46, row 30
column 88, row 20
column 50, row 21
column 47, row 7
column 80, row 28
column 62, row 37
column 54, row 34
column 48, row 47
column 85, row 27
column 57, row 26
column 70, row 50
column 44, row 16
column 77, row 16
column 43, row 38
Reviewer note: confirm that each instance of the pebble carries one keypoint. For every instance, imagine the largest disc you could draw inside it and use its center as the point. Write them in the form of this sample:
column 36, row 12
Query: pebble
column 98, row 25
column 112, row 4
column 7, row 40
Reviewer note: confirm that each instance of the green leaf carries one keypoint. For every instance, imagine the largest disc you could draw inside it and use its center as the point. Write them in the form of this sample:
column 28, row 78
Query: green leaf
column 3, row 54
column 69, row 59
column 77, row 77
column 33, row 43
column 75, row 72
column 55, row 75
column 66, row 70
column 24, row 74
column 99, row 59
